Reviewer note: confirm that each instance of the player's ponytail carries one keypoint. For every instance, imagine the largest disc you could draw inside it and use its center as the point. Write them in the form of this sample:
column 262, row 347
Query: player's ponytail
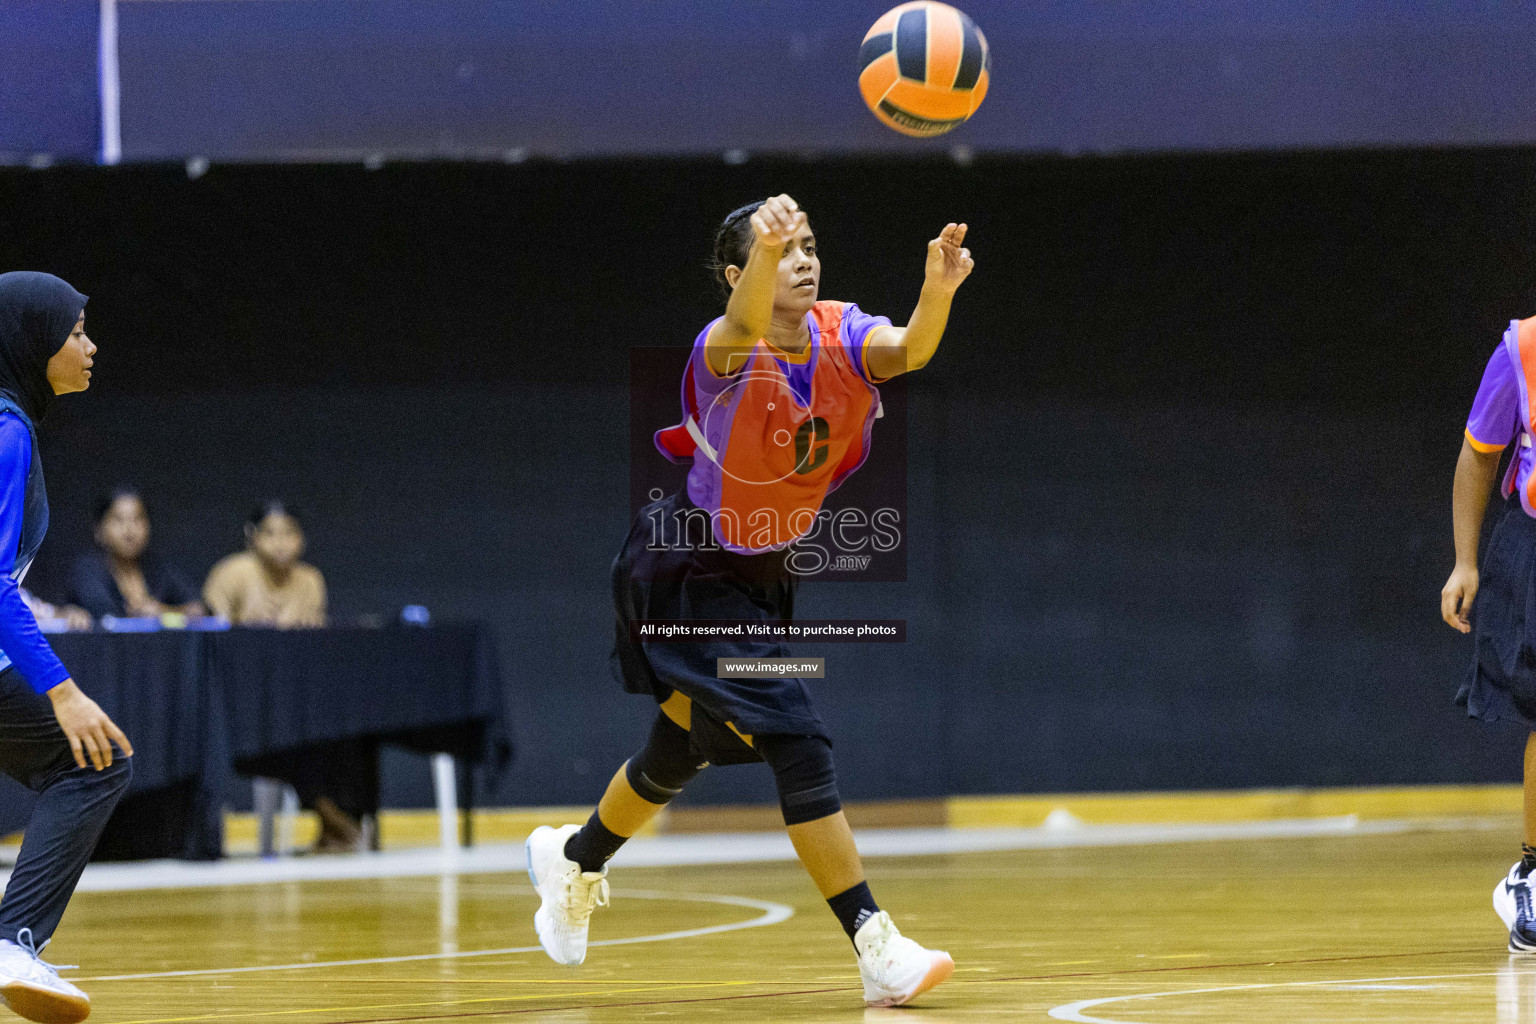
column 733, row 243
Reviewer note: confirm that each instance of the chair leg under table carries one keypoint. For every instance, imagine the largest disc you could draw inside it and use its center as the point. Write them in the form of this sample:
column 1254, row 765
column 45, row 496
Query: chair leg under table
column 445, row 781
column 277, row 809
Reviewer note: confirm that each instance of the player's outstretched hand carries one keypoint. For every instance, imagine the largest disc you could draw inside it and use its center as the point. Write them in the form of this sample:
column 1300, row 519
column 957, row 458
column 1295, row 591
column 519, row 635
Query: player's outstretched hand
column 1456, row 598
column 948, row 263
column 89, row 731
column 777, row 222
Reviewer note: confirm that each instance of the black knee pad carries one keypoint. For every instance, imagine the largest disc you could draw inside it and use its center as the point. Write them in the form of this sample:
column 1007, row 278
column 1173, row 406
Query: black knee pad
column 802, row 769
column 663, row 766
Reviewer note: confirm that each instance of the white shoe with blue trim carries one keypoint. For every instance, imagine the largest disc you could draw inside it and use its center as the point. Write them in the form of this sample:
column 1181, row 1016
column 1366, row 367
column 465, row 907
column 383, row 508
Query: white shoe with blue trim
column 1515, row 904
column 32, row 988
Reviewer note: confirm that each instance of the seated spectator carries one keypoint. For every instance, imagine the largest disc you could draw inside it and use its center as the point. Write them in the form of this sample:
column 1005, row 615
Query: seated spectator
column 121, row 576
column 266, row 584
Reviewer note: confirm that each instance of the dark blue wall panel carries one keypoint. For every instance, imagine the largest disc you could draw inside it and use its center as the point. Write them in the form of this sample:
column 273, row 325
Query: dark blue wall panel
column 343, row 79
column 484, row 79
column 48, row 88
column 1178, row 480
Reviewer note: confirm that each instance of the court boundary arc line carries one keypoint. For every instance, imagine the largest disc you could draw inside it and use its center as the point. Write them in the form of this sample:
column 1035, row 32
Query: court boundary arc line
column 1234, row 965
column 605, row 1006
column 1073, row 1012
column 1083, row 1004
column 821, row 991
column 773, row 913
column 759, row 922
column 466, row 1014
column 728, row 848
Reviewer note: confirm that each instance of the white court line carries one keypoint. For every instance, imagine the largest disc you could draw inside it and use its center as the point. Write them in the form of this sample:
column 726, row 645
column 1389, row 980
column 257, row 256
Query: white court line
column 773, row 913
column 1074, row 1011
column 737, row 848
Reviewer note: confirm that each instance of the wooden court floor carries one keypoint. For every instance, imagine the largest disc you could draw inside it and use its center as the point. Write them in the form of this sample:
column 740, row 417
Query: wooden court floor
column 1357, row 928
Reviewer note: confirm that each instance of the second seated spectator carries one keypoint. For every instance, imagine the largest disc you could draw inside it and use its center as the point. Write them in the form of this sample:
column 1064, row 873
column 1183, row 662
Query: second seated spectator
column 267, row 584
column 122, row 577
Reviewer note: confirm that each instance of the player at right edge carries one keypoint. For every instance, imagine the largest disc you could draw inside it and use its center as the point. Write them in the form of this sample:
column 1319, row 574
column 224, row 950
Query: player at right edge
column 1498, row 604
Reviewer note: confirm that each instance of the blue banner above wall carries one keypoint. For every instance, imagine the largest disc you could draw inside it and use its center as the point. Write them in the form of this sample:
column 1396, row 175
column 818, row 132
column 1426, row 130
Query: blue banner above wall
column 49, row 93
column 264, row 80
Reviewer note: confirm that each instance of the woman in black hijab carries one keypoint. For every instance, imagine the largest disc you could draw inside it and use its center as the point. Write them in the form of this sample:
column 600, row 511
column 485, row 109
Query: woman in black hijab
column 53, row 738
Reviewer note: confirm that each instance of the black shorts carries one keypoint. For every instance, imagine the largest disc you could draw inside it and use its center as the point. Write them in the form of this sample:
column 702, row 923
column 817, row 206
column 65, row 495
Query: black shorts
column 1501, row 681
column 701, row 581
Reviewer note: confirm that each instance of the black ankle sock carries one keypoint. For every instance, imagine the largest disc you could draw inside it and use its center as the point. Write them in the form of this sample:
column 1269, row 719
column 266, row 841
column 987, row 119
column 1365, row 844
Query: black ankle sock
column 593, row 845
column 853, row 907
column 1527, row 859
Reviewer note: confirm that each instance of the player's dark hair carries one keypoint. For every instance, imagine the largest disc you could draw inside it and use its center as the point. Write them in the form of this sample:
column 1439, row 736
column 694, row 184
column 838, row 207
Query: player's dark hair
column 733, row 243
column 104, row 502
column 274, row 507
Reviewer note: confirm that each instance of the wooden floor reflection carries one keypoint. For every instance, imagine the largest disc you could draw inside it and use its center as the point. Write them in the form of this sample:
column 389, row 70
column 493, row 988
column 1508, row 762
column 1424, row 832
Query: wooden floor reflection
column 1338, row 929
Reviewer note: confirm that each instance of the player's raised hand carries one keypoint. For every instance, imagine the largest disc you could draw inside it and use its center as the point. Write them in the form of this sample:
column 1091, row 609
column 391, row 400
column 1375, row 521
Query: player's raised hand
column 1456, row 598
column 777, row 222
column 949, row 263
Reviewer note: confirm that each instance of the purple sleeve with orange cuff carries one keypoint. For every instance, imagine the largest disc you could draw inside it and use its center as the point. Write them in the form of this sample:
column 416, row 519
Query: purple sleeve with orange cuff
column 857, row 325
column 1495, row 417
column 705, row 378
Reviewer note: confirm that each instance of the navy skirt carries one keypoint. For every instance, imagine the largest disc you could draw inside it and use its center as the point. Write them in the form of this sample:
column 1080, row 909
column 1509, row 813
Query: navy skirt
column 688, row 577
column 1501, row 682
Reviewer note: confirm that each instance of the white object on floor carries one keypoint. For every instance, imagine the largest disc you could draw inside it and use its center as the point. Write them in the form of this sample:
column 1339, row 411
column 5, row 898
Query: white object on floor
column 1061, row 818
column 445, row 782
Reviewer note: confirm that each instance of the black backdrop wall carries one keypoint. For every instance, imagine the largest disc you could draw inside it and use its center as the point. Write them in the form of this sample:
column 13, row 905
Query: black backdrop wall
column 1178, row 479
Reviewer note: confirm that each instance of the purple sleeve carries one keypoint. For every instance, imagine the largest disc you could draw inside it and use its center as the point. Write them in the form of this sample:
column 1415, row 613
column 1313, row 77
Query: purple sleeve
column 705, row 381
column 1496, row 410
column 856, row 327
column 19, row 635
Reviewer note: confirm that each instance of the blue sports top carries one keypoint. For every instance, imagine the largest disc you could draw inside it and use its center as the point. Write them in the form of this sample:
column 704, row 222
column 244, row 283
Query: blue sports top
column 21, row 643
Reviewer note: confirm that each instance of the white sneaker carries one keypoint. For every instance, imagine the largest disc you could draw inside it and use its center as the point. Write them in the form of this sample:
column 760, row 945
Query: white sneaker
column 33, row 988
column 1512, row 901
column 895, row 969
column 568, row 894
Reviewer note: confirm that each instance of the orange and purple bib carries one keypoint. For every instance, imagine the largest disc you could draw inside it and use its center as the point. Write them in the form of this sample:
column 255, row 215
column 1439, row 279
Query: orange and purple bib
column 773, row 438
column 1505, row 409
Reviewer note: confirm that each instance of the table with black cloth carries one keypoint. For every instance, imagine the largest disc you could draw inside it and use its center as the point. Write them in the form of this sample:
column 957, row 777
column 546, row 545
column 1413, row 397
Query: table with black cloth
column 201, row 706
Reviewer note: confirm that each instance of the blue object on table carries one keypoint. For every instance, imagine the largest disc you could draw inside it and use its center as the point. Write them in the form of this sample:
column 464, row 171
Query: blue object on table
column 416, row 615
column 130, row 624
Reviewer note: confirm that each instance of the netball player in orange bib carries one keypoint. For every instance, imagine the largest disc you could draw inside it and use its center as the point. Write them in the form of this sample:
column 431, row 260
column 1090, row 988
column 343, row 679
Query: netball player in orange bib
column 780, row 396
column 1494, row 601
